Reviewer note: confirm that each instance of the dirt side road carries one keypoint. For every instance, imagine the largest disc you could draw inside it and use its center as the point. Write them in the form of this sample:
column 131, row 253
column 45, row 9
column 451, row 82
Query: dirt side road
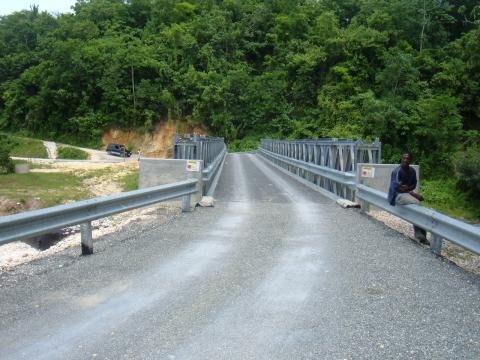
column 51, row 148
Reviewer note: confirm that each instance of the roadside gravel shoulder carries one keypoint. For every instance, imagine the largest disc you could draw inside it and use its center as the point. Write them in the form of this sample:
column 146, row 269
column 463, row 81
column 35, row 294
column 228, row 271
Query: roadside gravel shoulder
column 461, row 257
column 13, row 255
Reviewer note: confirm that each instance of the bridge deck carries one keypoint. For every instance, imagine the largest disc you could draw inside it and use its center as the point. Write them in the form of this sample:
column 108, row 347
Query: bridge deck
column 274, row 271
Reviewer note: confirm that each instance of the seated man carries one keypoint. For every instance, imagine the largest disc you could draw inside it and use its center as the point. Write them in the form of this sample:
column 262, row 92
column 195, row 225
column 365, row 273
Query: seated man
column 403, row 182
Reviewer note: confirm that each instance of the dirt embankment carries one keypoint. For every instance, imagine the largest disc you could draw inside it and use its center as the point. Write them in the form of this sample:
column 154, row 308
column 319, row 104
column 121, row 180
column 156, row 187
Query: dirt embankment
column 157, row 143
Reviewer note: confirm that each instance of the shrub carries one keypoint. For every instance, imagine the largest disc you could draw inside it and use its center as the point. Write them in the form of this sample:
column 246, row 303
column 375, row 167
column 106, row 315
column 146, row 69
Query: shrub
column 246, row 144
column 6, row 164
column 467, row 167
column 71, row 153
column 443, row 194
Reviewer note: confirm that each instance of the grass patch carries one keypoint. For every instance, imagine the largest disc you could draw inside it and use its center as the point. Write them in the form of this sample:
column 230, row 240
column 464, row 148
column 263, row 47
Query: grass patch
column 130, row 182
column 96, row 173
column 66, row 152
column 49, row 188
column 26, row 147
column 444, row 196
column 93, row 143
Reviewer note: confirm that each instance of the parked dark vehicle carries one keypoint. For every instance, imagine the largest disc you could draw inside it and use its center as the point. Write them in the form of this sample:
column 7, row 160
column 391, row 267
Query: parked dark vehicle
column 118, row 150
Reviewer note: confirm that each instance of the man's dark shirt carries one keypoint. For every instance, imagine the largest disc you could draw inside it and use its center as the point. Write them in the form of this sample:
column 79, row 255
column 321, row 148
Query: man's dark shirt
column 401, row 177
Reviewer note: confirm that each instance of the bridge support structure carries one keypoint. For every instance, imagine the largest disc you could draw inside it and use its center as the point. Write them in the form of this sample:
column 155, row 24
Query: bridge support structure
column 211, row 150
column 328, row 163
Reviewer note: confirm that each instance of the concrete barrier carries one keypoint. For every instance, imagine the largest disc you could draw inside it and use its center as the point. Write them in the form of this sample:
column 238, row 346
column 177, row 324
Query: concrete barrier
column 377, row 176
column 22, row 168
column 165, row 171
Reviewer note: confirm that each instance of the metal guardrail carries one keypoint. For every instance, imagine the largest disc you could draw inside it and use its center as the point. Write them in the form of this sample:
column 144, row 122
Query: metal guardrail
column 37, row 222
column 211, row 150
column 198, row 148
column 338, row 154
column 343, row 184
column 209, row 174
column 439, row 225
column 327, row 163
column 337, row 182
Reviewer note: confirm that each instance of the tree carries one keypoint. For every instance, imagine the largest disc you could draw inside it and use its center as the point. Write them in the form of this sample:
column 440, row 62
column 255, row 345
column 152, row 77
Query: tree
column 6, row 164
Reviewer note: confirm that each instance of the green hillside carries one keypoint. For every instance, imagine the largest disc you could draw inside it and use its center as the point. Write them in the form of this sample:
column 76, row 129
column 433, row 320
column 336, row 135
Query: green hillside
column 406, row 71
column 23, row 146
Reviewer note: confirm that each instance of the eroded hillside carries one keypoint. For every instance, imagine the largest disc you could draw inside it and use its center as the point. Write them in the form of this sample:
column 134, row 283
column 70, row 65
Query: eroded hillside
column 157, row 143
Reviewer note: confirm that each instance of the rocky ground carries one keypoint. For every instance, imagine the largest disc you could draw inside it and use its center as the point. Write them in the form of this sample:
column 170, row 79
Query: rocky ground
column 19, row 252
column 463, row 258
column 103, row 181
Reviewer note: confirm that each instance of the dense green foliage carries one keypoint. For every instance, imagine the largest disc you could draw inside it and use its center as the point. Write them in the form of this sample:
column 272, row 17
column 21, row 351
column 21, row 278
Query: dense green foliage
column 467, row 165
column 248, row 143
column 66, row 152
column 6, row 164
column 443, row 195
column 406, row 71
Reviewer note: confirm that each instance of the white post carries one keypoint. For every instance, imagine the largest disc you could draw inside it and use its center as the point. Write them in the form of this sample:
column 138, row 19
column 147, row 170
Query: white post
column 87, row 238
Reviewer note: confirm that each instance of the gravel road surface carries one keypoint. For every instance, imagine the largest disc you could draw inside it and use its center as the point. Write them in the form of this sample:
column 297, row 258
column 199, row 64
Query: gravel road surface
column 273, row 271
column 51, row 148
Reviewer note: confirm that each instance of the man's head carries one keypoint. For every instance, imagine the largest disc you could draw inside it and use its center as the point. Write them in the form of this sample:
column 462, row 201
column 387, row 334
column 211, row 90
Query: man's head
column 406, row 159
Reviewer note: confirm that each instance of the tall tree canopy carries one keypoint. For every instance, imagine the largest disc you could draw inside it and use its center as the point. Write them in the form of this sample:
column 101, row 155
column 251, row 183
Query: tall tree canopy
column 407, row 71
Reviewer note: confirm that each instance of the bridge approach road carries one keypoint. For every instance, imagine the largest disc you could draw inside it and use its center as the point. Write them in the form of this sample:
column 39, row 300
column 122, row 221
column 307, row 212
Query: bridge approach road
column 273, row 271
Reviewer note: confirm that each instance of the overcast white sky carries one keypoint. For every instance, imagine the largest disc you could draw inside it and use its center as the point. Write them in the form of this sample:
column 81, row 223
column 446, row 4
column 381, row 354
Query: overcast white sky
column 52, row 6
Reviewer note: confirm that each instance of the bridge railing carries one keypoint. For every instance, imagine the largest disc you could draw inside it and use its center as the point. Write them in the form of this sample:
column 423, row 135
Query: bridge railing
column 37, row 222
column 331, row 165
column 211, row 150
column 327, row 163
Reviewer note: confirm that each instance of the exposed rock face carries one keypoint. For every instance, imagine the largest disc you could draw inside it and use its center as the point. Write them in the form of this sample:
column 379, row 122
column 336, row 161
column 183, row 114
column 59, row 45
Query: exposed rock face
column 157, row 143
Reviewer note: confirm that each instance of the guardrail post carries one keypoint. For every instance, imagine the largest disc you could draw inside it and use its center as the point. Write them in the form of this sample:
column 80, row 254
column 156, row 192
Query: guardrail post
column 364, row 206
column 436, row 244
column 87, row 238
column 186, row 203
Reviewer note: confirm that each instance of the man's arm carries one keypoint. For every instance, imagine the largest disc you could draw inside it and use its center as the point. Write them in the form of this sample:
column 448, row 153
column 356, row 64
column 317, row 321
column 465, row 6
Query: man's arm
column 413, row 186
column 406, row 188
column 403, row 189
column 392, row 190
column 412, row 179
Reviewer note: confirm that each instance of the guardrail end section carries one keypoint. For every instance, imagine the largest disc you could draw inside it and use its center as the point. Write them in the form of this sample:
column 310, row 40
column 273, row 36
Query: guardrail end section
column 87, row 238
